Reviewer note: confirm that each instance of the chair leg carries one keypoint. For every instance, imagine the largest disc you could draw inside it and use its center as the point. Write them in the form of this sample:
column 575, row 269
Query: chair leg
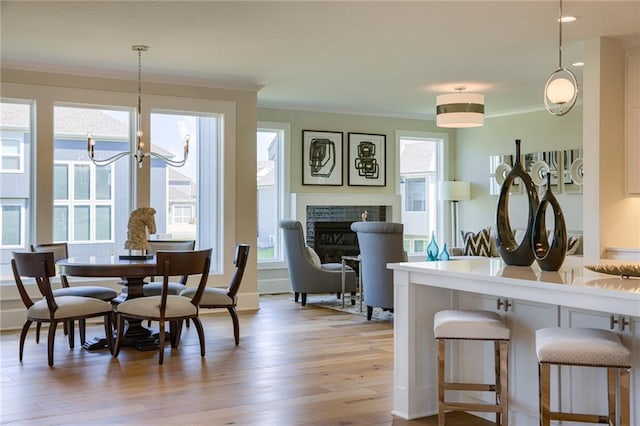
column 51, row 340
column 71, row 335
column 504, row 383
column 304, row 299
column 625, row 374
column 612, row 373
column 544, row 389
column 23, row 335
column 82, row 325
column 108, row 331
column 161, row 341
column 236, row 323
column 119, row 335
column 200, row 329
column 296, row 296
column 496, row 370
column 353, row 298
column 441, row 356
column 369, row 312
column 38, row 327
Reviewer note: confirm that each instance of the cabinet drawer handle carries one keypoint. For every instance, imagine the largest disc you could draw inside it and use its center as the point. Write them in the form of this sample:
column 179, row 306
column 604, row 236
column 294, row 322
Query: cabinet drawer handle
column 503, row 305
column 612, row 322
column 622, row 323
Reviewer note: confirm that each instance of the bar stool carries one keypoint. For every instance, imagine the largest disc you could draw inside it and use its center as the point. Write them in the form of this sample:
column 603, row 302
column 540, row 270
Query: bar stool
column 586, row 347
column 474, row 325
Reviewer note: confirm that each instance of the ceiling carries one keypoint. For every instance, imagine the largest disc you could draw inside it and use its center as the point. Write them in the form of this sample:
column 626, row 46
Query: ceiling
column 383, row 58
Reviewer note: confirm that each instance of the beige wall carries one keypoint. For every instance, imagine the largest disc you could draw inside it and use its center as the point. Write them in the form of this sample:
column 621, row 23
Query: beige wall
column 240, row 155
column 307, row 120
column 538, row 131
column 613, row 217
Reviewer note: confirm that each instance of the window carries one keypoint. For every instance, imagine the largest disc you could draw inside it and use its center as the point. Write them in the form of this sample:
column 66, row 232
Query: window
column 12, row 159
column 15, row 179
column 12, row 225
column 414, row 197
column 83, row 214
column 182, row 196
column 271, row 139
column 420, row 168
column 88, row 212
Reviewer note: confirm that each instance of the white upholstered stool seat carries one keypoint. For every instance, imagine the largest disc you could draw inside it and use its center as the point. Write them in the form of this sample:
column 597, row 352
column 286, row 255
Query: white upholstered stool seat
column 481, row 325
column 473, row 325
column 586, row 347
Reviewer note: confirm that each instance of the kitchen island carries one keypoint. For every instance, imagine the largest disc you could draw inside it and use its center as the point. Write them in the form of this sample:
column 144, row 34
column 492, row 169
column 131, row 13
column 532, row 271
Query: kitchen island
column 528, row 299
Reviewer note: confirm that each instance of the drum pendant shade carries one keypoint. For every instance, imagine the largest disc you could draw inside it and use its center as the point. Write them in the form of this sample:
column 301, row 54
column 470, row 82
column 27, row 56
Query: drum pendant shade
column 460, row 110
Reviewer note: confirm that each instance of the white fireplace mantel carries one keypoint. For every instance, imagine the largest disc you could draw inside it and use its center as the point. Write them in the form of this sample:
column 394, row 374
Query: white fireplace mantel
column 300, row 201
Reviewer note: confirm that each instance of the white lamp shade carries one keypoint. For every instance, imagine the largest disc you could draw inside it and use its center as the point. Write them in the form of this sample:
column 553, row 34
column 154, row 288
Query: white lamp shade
column 455, row 191
column 560, row 91
column 460, row 110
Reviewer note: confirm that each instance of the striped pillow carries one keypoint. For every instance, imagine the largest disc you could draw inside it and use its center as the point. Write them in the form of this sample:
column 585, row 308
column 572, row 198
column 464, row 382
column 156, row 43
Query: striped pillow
column 477, row 244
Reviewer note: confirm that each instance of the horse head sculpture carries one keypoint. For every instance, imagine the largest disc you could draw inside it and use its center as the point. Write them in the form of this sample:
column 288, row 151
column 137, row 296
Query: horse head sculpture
column 141, row 223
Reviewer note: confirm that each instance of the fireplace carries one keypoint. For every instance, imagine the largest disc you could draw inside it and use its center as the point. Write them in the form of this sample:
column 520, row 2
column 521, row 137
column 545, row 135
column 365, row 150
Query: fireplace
column 334, row 239
column 329, row 229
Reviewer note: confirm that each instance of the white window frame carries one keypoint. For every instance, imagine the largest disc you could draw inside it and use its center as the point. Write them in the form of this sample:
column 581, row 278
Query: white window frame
column 19, row 155
column 92, row 202
column 442, row 170
column 9, row 202
column 283, row 189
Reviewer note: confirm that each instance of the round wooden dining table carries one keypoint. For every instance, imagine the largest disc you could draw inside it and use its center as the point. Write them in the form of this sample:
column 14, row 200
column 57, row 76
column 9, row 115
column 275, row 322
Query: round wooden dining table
column 132, row 274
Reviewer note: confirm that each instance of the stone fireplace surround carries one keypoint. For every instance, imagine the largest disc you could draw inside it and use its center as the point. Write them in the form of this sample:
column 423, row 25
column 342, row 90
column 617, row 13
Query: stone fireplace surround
column 345, row 207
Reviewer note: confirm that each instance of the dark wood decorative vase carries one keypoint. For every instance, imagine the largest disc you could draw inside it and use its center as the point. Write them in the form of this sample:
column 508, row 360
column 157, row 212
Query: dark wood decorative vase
column 511, row 252
column 549, row 256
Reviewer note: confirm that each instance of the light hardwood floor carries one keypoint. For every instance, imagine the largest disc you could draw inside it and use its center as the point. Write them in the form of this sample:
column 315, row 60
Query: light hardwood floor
column 295, row 366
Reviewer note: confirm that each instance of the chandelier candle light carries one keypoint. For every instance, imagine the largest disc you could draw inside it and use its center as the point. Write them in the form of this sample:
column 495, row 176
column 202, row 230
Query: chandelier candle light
column 561, row 89
column 139, row 153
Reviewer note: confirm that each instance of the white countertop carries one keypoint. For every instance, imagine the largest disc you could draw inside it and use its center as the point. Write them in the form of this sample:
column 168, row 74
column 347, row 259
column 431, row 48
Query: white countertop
column 573, row 285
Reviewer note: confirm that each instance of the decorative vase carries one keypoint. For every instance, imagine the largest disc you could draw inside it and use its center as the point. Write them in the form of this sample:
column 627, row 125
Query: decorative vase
column 445, row 254
column 511, row 252
column 549, row 256
column 432, row 248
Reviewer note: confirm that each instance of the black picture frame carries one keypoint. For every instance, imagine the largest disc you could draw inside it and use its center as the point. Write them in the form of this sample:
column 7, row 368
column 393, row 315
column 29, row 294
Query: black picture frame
column 367, row 159
column 322, row 153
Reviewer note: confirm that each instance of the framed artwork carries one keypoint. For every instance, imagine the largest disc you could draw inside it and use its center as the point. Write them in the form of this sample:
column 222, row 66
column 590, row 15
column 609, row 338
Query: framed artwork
column 367, row 159
column 321, row 158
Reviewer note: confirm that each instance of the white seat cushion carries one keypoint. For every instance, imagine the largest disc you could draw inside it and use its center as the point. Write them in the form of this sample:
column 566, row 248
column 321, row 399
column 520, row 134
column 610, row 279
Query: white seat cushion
column 69, row 307
column 97, row 292
column 155, row 288
column 177, row 306
column 212, row 296
column 459, row 324
column 581, row 346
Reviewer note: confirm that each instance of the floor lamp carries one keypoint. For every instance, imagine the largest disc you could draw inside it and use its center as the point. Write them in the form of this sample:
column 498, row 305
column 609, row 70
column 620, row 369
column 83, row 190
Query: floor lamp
column 454, row 191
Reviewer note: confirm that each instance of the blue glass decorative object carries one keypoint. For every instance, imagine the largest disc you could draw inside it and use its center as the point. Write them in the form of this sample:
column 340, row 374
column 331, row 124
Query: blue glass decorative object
column 445, row 254
column 432, row 248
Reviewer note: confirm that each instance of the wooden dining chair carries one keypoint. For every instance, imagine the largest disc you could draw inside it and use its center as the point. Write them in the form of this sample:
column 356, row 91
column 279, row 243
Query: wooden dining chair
column 53, row 309
column 175, row 287
column 214, row 297
column 61, row 251
column 169, row 307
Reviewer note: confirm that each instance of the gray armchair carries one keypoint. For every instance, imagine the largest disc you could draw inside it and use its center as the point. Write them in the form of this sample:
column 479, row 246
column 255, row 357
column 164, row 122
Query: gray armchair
column 307, row 275
column 380, row 243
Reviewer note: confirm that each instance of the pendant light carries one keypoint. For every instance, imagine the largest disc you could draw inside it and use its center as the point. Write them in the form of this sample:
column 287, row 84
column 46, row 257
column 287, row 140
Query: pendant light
column 561, row 90
column 460, row 110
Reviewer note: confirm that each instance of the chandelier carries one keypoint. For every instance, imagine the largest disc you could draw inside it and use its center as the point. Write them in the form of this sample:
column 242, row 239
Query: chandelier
column 561, row 89
column 139, row 154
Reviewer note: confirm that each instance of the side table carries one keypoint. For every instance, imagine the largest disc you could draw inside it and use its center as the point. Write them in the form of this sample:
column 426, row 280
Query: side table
column 355, row 259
